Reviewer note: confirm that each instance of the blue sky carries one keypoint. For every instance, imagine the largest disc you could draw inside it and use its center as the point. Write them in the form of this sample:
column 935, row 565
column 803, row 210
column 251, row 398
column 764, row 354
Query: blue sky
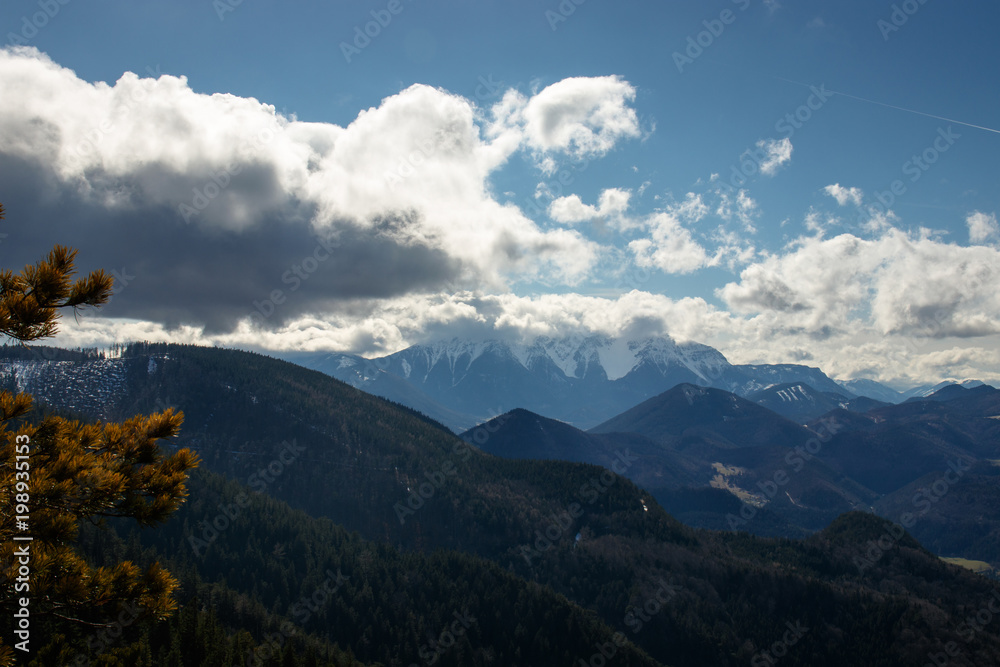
column 499, row 230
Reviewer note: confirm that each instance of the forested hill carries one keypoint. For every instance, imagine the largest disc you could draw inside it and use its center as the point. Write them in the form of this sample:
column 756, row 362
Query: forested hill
column 307, row 587
column 524, row 541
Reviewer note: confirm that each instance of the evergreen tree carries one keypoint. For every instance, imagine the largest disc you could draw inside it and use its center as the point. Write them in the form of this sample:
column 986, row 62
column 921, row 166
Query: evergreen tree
column 56, row 473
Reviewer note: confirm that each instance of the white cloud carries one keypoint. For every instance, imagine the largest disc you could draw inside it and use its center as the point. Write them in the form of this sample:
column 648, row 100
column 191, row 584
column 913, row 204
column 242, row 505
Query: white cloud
column 614, row 201
column 692, row 209
column 845, row 196
column 377, row 327
column 612, row 204
column 670, row 247
column 580, row 116
column 893, row 285
column 412, row 172
column 878, row 222
column 386, row 325
column 427, row 249
column 776, row 152
column 571, row 210
column 741, row 207
column 982, row 227
column 732, row 251
column 819, row 223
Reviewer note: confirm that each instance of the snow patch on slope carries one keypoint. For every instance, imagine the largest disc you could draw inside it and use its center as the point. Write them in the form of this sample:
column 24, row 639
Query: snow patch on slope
column 564, row 353
column 618, row 358
column 94, row 386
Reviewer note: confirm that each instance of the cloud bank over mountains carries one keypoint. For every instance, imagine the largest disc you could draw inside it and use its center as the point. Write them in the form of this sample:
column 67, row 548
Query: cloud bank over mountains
column 233, row 224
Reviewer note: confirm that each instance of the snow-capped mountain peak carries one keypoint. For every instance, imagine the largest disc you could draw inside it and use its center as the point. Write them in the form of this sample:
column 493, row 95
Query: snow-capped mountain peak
column 575, row 357
column 581, row 379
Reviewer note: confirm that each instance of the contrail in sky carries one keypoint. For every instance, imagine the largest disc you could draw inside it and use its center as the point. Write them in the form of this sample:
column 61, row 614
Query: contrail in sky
column 893, row 106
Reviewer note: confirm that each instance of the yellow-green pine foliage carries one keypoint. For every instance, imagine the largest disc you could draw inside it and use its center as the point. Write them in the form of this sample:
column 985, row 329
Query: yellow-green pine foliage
column 78, row 471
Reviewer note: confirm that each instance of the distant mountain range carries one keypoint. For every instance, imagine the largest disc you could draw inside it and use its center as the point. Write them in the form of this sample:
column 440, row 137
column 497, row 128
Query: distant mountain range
column 581, row 380
column 923, row 391
column 801, row 403
column 716, row 460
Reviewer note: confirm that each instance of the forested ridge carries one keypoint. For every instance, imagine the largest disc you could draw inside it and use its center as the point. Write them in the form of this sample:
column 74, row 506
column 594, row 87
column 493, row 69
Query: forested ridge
column 551, row 558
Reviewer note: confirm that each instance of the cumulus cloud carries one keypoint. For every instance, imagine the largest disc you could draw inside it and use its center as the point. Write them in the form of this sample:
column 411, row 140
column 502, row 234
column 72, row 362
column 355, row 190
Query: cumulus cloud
column 737, row 205
column 845, row 196
column 670, row 247
column 983, row 227
column 613, row 203
column 897, row 284
column 571, row 210
column 217, row 214
column 578, row 116
column 692, row 209
column 775, row 153
column 215, row 202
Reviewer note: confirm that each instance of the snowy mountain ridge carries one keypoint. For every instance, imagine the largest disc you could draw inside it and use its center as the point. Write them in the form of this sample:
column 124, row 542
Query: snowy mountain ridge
column 574, row 356
column 580, row 379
